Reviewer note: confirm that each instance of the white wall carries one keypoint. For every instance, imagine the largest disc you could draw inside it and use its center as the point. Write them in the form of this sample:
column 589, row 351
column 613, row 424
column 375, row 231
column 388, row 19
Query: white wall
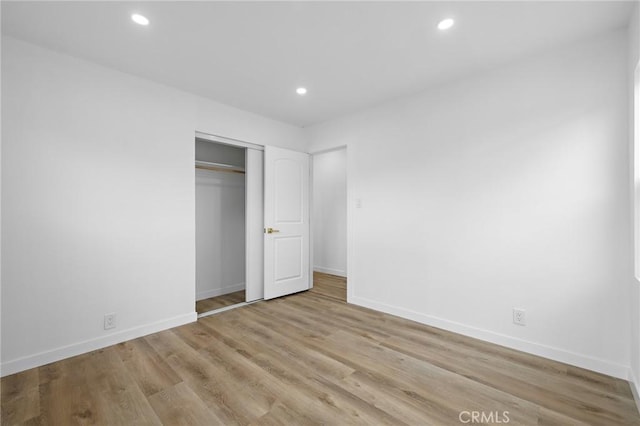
column 221, row 120
column 220, row 236
column 98, row 188
column 634, row 120
column 506, row 189
column 329, row 214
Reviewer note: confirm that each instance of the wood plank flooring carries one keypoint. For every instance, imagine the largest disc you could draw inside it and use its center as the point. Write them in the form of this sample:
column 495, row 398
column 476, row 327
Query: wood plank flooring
column 330, row 286
column 212, row 303
column 307, row 359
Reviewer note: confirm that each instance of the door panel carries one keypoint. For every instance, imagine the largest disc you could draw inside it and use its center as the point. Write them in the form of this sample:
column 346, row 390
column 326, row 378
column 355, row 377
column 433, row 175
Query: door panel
column 255, row 221
column 288, row 191
column 286, row 220
column 288, row 258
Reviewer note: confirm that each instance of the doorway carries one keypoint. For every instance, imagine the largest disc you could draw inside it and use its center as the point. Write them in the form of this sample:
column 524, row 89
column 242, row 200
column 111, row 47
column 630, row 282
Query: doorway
column 330, row 223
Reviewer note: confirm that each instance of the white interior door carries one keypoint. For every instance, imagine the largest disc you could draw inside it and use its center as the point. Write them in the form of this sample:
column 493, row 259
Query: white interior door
column 286, row 221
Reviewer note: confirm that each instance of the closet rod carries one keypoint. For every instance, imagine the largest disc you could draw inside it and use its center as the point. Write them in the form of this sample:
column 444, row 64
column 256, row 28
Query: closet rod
column 218, row 169
column 209, row 163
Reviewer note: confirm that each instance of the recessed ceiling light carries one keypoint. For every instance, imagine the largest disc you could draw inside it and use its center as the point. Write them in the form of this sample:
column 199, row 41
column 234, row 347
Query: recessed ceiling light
column 301, row 91
column 445, row 24
column 139, row 19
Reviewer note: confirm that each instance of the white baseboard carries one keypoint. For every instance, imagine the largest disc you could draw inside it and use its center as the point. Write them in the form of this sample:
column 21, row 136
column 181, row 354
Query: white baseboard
column 219, row 291
column 635, row 387
column 556, row 354
column 330, row 271
column 47, row 357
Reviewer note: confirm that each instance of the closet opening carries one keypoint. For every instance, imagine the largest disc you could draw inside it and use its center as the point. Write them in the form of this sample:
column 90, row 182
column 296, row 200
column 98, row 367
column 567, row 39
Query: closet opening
column 220, row 225
column 252, row 223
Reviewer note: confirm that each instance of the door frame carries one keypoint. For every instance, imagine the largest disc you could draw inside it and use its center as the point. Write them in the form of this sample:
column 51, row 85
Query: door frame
column 228, row 141
column 635, row 166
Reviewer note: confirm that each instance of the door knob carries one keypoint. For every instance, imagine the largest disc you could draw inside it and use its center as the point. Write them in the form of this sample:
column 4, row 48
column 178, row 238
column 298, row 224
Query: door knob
column 272, row 231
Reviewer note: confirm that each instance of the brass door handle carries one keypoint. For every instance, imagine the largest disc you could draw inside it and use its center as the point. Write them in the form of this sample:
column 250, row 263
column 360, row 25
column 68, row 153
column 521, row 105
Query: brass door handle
column 272, row 231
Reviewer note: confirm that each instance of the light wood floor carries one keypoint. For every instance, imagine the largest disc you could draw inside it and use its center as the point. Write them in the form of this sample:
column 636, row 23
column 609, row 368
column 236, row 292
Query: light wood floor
column 305, row 359
column 330, row 286
column 212, row 303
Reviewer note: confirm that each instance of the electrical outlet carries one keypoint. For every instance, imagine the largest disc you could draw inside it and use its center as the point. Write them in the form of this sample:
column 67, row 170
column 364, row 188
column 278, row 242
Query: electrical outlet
column 519, row 316
column 110, row 321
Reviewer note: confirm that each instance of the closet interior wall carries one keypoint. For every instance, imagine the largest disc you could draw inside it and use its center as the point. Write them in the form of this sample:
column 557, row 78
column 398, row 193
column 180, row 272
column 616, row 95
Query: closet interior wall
column 220, row 220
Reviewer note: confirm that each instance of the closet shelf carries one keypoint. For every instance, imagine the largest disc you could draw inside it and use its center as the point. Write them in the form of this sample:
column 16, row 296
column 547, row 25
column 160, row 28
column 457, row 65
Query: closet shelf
column 219, row 167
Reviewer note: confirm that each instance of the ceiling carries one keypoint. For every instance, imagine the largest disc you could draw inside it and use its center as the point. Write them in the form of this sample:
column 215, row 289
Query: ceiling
column 349, row 55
